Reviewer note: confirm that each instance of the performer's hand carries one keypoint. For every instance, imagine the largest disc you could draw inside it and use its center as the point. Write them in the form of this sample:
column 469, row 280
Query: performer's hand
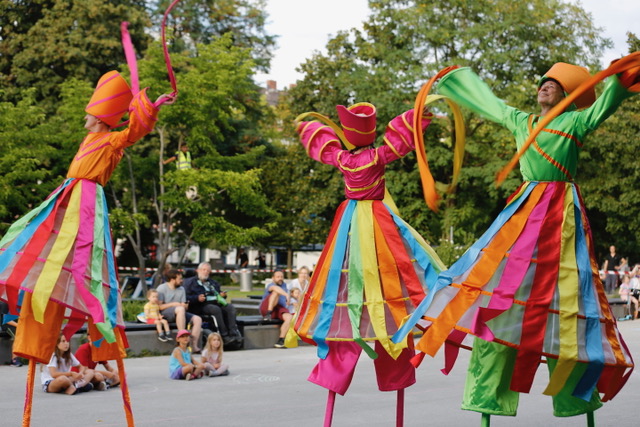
column 166, row 99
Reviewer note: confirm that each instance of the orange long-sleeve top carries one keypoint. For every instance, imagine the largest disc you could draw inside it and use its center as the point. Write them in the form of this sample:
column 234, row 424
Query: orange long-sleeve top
column 100, row 152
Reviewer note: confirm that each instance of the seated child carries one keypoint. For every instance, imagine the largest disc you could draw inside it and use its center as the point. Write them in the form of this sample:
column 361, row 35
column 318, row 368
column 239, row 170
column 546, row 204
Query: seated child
column 212, row 356
column 180, row 365
column 57, row 376
column 152, row 313
column 294, row 297
column 110, row 373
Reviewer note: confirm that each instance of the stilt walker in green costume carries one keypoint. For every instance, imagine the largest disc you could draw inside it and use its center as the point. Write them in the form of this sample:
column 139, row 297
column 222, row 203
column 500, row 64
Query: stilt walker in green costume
column 528, row 290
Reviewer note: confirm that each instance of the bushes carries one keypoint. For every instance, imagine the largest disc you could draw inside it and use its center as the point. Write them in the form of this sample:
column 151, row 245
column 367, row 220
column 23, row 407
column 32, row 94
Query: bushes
column 131, row 308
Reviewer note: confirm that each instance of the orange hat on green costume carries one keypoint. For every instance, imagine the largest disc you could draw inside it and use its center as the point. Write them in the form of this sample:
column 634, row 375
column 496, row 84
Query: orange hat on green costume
column 111, row 98
column 570, row 77
column 358, row 123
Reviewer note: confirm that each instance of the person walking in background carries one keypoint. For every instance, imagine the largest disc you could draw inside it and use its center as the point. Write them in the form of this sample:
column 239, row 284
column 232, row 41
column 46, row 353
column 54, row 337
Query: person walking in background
column 610, row 267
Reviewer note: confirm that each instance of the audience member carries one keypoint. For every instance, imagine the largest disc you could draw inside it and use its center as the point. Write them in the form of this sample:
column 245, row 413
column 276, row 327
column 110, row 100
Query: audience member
column 294, row 300
column 110, row 373
column 173, row 307
column 242, row 259
column 610, row 267
column 154, row 317
column 212, row 356
column 9, row 326
column 57, row 376
column 274, row 305
column 206, row 298
column 181, row 366
column 302, row 281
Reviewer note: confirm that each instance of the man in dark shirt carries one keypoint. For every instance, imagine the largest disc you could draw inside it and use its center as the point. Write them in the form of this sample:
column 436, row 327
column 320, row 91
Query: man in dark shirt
column 611, row 263
column 206, row 298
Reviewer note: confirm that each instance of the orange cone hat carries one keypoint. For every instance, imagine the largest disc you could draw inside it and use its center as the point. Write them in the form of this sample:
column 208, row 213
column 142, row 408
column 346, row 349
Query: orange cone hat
column 570, row 77
column 359, row 123
column 111, row 98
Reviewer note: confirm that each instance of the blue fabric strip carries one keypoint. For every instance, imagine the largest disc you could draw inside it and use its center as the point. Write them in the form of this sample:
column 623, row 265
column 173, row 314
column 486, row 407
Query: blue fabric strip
column 39, row 215
column 464, row 263
column 112, row 303
column 330, row 296
column 595, row 353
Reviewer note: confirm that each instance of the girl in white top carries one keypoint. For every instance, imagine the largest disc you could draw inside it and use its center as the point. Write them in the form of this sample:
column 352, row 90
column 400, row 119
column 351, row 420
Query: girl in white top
column 57, row 376
column 212, row 356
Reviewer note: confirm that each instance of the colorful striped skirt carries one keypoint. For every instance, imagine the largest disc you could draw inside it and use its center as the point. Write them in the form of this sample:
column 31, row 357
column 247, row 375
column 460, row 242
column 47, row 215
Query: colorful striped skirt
column 62, row 252
column 372, row 273
column 531, row 283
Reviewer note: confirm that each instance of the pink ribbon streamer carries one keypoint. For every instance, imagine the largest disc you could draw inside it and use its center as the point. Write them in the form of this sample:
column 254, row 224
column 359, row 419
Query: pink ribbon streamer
column 130, row 55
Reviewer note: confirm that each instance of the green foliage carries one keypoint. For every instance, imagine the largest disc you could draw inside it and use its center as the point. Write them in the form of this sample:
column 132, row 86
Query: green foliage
column 42, row 43
column 131, row 308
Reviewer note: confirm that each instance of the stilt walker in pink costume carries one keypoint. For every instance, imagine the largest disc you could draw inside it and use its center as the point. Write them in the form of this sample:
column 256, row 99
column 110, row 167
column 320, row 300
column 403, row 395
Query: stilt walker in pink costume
column 374, row 267
column 57, row 261
column 528, row 290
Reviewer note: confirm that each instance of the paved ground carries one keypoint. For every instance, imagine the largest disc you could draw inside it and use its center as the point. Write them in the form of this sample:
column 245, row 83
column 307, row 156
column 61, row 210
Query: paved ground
column 269, row 387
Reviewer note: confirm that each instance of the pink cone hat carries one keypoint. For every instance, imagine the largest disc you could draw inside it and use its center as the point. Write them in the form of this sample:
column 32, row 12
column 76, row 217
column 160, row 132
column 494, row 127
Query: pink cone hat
column 359, row 123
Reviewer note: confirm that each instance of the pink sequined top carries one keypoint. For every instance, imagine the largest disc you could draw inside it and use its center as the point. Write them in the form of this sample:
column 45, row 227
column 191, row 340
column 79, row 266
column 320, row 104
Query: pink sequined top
column 363, row 172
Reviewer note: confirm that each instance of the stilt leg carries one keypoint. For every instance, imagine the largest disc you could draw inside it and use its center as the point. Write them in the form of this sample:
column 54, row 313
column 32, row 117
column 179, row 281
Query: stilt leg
column 591, row 422
column 328, row 415
column 400, row 408
column 125, row 393
column 28, row 399
column 486, row 420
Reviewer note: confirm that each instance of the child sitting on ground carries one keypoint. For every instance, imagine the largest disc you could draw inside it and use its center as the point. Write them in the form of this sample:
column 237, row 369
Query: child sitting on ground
column 180, row 364
column 57, row 376
column 212, row 356
column 152, row 313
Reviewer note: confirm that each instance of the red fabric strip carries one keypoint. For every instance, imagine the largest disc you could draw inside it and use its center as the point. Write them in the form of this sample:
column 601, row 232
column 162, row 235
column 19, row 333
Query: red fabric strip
column 537, row 306
column 402, row 260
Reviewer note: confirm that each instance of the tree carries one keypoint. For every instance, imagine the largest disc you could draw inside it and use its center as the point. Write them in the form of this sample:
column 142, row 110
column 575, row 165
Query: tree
column 403, row 43
column 200, row 22
column 45, row 42
column 609, row 173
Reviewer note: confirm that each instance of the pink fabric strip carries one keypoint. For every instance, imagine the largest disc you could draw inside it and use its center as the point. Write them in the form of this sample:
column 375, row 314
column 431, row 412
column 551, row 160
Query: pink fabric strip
column 82, row 253
column 126, row 92
column 106, row 81
column 167, row 58
column 84, row 146
column 91, row 151
column 130, row 55
column 514, row 271
column 140, row 121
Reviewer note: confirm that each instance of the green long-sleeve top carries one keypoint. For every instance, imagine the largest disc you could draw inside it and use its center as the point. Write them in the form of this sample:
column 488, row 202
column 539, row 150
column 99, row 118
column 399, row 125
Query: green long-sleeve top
column 554, row 154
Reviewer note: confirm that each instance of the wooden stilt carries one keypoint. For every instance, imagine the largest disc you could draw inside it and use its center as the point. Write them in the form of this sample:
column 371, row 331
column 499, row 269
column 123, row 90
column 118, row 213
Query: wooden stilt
column 591, row 422
column 126, row 400
column 400, row 408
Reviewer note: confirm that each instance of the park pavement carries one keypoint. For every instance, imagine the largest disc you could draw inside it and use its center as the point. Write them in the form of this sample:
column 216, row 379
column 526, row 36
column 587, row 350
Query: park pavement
column 269, row 387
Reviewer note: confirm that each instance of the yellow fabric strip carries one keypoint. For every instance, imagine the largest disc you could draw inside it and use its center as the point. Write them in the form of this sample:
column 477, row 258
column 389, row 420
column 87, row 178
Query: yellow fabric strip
column 567, row 279
column 58, row 254
column 372, row 285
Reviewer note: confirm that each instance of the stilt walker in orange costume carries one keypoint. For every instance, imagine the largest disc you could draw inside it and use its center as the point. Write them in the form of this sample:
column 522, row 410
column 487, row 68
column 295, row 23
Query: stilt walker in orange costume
column 60, row 255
